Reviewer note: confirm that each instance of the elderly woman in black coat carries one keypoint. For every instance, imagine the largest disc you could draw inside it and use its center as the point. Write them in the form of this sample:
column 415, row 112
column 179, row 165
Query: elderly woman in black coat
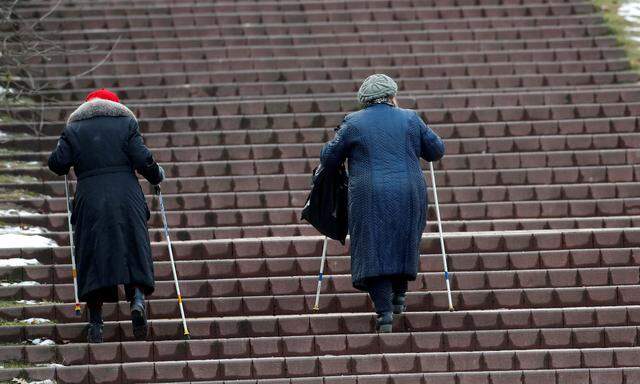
column 387, row 192
column 103, row 144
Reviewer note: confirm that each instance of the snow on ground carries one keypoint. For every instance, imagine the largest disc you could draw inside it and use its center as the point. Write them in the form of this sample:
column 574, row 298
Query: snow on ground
column 18, row 240
column 35, row 320
column 11, row 240
column 19, row 284
column 27, row 237
column 16, row 212
column 17, row 262
column 4, row 90
column 630, row 10
column 23, row 230
column 27, row 302
column 43, row 341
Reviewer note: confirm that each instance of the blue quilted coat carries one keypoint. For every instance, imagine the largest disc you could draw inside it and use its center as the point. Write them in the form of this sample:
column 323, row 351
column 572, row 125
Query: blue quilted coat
column 387, row 189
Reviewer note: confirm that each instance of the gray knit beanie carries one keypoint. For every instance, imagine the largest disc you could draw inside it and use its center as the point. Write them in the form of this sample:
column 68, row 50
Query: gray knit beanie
column 376, row 87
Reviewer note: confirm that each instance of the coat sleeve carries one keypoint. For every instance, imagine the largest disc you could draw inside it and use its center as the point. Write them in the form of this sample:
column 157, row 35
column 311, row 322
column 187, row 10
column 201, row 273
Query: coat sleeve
column 61, row 159
column 140, row 156
column 431, row 145
column 335, row 152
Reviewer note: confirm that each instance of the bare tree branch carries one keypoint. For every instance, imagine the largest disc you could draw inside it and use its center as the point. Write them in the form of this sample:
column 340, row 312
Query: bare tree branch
column 104, row 60
column 10, row 9
column 23, row 83
column 53, row 9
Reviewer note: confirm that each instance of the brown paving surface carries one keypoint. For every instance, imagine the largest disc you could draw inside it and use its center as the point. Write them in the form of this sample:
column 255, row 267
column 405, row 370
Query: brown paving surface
column 539, row 192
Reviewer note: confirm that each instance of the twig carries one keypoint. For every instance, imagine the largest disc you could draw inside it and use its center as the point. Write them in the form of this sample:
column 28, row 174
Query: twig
column 104, row 60
column 41, row 125
column 53, row 9
column 10, row 10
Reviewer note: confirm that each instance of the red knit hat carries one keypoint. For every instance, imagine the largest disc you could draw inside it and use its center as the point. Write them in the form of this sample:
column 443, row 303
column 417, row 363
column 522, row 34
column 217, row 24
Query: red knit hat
column 103, row 94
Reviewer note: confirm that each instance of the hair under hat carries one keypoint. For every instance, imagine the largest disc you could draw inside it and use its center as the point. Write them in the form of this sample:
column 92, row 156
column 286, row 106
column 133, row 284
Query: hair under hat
column 376, row 87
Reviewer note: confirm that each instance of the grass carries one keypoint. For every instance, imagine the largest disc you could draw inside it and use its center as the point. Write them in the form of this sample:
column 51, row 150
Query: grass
column 17, row 323
column 15, row 364
column 7, row 323
column 618, row 26
column 6, row 151
column 12, row 303
column 10, row 164
column 14, row 179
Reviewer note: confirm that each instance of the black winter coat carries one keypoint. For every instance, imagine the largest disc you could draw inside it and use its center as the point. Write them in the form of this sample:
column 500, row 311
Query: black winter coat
column 103, row 145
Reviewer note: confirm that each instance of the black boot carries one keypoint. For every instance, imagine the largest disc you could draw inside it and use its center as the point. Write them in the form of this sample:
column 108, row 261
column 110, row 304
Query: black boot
column 384, row 323
column 138, row 315
column 399, row 305
column 94, row 332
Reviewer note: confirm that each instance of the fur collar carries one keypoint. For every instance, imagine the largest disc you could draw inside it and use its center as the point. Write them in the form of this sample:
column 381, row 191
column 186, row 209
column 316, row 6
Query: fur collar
column 100, row 107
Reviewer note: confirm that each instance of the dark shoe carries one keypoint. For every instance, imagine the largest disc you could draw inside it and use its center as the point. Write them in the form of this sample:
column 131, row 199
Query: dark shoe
column 94, row 333
column 384, row 323
column 138, row 316
column 399, row 305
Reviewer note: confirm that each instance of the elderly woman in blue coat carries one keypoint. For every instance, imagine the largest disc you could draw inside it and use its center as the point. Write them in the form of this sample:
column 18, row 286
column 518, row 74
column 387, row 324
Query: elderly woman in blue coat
column 387, row 192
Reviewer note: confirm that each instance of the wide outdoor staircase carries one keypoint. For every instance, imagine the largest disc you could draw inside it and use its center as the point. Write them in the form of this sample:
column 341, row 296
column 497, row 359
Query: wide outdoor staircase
column 539, row 194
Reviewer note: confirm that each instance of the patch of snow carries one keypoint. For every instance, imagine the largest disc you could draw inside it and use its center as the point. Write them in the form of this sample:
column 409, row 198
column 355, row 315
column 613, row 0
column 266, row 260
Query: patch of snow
column 20, row 284
column 630, row 11
column 17, row 262
column 23, row 381
column 42, row 341
column 23, row 230
column 27, row 302
column 11, row 240
column 16, row 212
column 35, row 320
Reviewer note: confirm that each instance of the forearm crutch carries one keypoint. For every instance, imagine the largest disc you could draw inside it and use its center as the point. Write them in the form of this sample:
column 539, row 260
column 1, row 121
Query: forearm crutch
column 74, row 272
column 316, row 306
column 444, row 252
column 173, row 264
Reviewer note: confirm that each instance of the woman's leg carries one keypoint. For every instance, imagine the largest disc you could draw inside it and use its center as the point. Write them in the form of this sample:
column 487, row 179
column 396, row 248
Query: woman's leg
column 94, row 306
column 399, row 286
column 380, row 291
column 138, row 313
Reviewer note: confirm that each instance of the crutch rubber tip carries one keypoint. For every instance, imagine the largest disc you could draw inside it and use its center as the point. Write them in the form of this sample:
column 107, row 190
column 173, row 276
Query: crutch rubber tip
column 78, row 310
column 187, row 336
column 316, row 308
column 450, row 309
